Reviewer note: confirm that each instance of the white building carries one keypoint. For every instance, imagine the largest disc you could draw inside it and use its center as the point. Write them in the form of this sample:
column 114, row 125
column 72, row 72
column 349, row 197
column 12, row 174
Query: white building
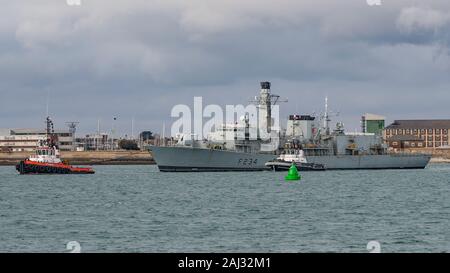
column 17, row 140
column 95, row 142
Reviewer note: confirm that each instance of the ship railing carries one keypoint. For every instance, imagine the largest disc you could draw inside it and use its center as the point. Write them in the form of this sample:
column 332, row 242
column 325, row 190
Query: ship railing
column 318, row 151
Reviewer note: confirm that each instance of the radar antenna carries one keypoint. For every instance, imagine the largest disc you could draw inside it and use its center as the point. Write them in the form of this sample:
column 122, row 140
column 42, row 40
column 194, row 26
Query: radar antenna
column 72, row 130
column 326, row 117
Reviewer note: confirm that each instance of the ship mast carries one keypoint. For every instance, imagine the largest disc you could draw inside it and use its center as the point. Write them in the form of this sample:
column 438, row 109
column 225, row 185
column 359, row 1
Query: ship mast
column 264, row 103
column 326, row 118
column 265, row 108
column 50, row 133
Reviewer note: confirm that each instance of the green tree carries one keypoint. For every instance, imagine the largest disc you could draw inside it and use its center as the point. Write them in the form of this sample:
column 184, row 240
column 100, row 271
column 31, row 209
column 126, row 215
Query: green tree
column 128, row 144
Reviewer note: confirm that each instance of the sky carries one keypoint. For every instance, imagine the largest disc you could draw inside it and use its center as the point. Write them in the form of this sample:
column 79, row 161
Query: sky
column 136, row 59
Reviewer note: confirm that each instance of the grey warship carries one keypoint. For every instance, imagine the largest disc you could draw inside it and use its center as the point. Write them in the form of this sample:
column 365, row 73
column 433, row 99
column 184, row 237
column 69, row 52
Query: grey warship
column 334, row 149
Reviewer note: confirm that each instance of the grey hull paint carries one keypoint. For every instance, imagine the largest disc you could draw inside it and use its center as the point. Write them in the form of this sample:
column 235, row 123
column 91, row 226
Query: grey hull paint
column 387, row 161
column 197, row 159
column 185, row 159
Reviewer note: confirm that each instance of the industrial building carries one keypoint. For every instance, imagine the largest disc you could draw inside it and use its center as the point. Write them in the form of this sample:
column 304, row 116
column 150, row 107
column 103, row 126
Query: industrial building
column 418, row 133
column 18, row 140
column 371, row 123
column 95, row 142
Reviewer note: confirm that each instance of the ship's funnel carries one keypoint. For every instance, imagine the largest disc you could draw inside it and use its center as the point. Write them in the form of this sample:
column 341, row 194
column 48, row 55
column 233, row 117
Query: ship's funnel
column 265, row 85
column 265, row 108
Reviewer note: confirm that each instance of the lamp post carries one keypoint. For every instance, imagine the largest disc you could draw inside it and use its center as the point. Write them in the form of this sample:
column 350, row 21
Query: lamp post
column 113, row 131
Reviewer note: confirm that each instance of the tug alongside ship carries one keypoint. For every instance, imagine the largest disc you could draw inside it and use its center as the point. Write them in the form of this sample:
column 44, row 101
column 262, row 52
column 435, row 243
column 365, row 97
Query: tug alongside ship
column 321, row 147
column 46, row 159
column 297, row 158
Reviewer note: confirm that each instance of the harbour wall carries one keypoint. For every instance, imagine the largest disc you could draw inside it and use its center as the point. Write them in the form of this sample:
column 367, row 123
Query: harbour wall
column 145, row 158
column 438, row 155
column 88, row 158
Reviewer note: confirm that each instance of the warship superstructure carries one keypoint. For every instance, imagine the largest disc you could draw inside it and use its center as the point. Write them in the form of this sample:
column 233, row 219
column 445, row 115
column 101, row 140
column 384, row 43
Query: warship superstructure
column 334, row 149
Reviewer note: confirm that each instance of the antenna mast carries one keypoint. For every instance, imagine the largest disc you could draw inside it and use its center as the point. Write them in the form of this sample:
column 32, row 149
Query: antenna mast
column 326, row 117
column 48, row 102
column 72, row 130
column 132, row 128
column 50, row 133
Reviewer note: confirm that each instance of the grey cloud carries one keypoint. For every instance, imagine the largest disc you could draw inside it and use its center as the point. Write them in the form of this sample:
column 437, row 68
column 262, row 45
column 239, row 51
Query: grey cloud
column 413, row 18
column 139, row 58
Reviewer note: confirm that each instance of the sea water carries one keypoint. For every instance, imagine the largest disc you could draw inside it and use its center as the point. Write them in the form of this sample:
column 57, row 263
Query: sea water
column 139, row 209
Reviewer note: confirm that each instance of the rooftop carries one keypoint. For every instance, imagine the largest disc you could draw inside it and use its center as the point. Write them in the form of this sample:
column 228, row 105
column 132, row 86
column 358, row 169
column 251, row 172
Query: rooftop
column 32, row 131
column 5, row 132
column 420, row 124
column 368, row 116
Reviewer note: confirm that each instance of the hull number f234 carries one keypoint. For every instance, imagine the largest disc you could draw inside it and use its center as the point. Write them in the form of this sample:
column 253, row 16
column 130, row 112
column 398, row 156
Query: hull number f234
column 247, row 161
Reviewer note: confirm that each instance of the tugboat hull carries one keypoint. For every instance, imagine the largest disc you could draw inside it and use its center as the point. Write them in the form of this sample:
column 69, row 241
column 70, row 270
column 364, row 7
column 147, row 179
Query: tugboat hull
column 30, row 167
column 284, row 166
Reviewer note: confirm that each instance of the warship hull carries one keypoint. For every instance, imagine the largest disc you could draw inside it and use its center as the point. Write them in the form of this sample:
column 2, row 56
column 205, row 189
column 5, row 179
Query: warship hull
column 187, row 159
column 385, row 161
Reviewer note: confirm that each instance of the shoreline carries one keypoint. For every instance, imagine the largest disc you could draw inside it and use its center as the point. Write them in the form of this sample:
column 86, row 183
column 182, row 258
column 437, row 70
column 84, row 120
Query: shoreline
column 440, row 160
column 88, row 158
column 118, row 158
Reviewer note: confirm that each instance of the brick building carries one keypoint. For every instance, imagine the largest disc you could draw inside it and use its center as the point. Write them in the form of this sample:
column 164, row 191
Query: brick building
column 417, row 133
column 405, row 142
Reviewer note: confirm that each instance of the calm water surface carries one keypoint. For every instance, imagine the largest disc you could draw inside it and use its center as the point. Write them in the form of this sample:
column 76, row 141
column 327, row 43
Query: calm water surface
column 138, row 209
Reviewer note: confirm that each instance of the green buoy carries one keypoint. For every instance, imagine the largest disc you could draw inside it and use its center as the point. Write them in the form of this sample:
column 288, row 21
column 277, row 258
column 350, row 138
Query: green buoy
column 293, row 173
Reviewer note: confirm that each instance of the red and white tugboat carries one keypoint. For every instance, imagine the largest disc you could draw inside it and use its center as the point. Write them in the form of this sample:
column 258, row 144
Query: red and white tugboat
column 46, row 160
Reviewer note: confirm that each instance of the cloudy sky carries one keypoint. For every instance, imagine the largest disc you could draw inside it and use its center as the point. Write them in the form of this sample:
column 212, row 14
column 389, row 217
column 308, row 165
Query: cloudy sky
column 138, row 58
